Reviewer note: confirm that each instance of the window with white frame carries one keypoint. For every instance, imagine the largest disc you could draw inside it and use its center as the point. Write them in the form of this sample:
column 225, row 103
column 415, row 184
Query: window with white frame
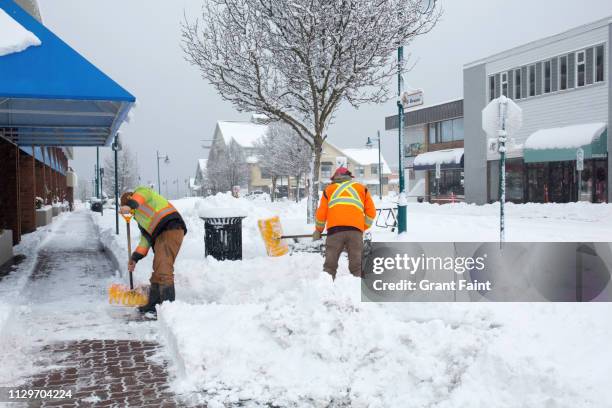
column 491, row 87
column 547, row 76
column 532, row 80
column 360, row 171
column 374, row 169
column 581, row 68
column 517, row 84
column 504, row 84
column 599, row 63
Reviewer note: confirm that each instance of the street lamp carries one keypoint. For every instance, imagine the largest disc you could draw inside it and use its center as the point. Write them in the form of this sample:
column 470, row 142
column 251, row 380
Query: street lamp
column 369, row 144
column 166, row 160
column 116, row 146
column 426, row 7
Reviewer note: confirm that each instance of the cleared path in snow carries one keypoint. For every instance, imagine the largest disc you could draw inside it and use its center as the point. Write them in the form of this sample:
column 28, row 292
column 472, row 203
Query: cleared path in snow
column 65, row 335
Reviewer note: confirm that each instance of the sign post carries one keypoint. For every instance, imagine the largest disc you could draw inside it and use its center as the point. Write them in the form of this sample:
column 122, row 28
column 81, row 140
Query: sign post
column 502, row 117
column 580, row 168
column 438, row 176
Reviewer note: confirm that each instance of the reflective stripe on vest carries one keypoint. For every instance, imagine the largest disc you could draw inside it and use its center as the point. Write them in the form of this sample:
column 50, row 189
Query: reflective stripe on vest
column 354, row 200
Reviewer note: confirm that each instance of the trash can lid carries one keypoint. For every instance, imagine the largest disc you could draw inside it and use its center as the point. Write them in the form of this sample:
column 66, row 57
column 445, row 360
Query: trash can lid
column 222, row 213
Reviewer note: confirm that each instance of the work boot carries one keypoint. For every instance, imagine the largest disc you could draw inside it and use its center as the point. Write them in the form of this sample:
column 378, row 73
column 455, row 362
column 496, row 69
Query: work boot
column 153, row 300
column 166, row 293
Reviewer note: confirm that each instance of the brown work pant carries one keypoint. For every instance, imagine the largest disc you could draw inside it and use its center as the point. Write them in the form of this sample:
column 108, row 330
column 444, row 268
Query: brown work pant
column 167, row 246
column 352, row 241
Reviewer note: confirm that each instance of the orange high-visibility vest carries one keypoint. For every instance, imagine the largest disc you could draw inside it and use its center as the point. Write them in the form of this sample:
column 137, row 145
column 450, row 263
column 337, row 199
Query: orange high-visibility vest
column 347, row 204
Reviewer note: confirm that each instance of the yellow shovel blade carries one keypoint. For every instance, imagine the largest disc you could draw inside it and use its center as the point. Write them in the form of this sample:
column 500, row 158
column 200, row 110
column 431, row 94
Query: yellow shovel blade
column 271, row 231
column 122, row 295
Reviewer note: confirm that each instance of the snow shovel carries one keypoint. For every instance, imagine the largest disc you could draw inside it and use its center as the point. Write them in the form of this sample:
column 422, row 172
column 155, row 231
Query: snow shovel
column 122, row 294
column 274, row 240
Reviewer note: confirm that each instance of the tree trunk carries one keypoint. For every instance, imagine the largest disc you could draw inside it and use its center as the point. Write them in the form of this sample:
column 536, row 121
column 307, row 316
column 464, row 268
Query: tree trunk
column 297, row 187
column 273, row 192
column 313, row 178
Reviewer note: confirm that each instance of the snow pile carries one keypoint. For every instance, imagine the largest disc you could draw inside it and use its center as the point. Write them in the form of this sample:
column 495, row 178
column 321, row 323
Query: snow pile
column 569, row 137
column 449, row 156
column 314, row 344
column 367, row 157
column 277, row 332
column 13, row 36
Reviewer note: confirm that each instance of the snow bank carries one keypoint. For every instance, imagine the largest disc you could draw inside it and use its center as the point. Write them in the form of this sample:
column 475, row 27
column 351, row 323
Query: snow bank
column 569, row 137
column 449, row 156
column 13, row 36
column 277, row 331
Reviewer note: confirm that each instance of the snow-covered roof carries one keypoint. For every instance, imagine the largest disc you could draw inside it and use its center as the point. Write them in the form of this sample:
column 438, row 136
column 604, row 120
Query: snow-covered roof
column 202, row 165
column 449, row 156
column 192, row 184
column 569, row 137
column 243, row 133
column 367, row 156
column 13, row 36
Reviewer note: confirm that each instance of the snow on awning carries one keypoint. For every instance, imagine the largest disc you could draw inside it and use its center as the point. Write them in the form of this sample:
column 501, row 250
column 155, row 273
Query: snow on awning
column 569, row 137
column 13, row 36
column 561, row 144
column 448, row 159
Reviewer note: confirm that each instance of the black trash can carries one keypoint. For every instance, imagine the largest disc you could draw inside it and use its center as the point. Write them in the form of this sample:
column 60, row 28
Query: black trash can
column 96, row 206
column 223, row 237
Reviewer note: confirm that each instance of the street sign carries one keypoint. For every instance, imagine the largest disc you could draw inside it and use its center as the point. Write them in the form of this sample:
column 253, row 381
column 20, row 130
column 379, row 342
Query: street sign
column 491, row 118
column 412, row 99
column 580, row 159
column 438, row 171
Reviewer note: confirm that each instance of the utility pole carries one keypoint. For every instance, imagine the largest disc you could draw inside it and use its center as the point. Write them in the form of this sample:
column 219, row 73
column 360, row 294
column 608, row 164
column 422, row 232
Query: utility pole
column 380, row 176
column 97, row 172
column 401, row 204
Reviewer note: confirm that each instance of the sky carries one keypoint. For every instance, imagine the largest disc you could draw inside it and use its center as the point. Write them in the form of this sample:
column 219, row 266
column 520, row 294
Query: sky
column 137, row 43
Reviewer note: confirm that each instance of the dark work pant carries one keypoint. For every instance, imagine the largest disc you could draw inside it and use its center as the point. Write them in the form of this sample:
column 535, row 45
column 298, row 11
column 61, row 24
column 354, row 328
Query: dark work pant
column 352, row 241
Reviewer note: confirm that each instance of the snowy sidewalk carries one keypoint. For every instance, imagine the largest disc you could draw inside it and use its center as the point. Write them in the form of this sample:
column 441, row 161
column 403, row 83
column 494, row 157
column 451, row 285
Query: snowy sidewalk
column 64, row 335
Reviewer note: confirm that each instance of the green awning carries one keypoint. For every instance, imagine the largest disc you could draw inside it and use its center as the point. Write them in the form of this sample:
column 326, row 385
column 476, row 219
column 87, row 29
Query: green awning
column 541, row 147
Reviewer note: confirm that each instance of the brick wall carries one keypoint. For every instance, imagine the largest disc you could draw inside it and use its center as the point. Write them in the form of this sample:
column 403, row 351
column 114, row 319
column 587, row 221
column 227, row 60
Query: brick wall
column 10, row 216
column 27, row 192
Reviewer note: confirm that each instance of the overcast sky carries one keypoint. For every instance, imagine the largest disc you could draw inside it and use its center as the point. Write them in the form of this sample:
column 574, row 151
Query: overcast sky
column 136, row 43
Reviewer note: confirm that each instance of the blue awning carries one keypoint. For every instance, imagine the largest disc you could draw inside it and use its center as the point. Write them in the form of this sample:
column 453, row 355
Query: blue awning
column 51, row 95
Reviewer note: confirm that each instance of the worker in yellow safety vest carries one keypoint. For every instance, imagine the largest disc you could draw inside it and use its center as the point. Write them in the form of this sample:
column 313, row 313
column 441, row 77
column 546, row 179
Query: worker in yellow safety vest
column 161, row 228
column 347, row 210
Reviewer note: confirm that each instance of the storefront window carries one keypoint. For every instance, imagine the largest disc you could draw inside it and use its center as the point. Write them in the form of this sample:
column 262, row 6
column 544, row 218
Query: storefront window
column 448, row 184
column 515, row 176
column 447, row 131
column 458, row 129
column 433, row 134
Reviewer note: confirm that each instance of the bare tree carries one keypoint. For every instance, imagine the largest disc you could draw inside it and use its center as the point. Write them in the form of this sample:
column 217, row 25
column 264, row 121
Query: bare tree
column 127, row 171
column 226, row 166
column 282, row 153
column 297, row 61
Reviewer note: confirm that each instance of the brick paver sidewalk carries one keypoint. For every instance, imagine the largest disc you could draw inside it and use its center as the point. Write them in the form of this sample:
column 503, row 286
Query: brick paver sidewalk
column 105, row 373
column 77, row 341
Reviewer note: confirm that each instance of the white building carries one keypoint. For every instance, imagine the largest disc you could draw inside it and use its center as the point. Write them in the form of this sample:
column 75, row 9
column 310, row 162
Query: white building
column 562, row 83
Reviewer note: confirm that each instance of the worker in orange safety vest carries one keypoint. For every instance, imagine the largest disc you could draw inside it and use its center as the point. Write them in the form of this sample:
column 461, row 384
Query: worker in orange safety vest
column 347, row 210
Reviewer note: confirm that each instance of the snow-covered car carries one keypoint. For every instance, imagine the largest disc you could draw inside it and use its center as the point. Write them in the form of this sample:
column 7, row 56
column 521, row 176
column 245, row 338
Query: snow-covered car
column 258, row 195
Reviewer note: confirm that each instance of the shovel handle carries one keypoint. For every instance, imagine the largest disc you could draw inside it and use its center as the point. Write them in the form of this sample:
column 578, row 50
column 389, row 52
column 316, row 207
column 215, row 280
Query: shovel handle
column 298, row 236
column 127, row 219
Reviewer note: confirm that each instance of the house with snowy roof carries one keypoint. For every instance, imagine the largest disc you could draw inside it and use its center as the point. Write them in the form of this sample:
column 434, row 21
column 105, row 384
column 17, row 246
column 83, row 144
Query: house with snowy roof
column 362, row 162
column 232, row 160
column 198, row 185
